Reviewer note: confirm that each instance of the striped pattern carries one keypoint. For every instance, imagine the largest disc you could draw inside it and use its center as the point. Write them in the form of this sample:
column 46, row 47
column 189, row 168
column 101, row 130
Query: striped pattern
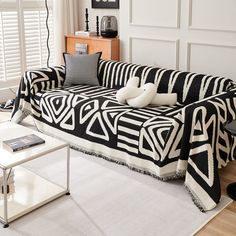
column 167, row 141
column 190, row 87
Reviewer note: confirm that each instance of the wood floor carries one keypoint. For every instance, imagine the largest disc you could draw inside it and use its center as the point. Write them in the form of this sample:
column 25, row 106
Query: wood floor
column 224, row 224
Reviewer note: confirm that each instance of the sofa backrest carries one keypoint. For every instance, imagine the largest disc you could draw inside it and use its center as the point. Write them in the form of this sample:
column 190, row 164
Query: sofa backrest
column 189, row 86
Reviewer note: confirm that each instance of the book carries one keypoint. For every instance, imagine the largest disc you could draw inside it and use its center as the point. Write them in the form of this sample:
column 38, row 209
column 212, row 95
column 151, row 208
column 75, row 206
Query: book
column 85, row 33
column 81, row 48
column 10, row 188
column 10, row 181
column 23, row 142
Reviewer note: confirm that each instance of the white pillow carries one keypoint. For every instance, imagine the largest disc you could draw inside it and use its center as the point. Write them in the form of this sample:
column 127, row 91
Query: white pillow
column 144, row 96
column 161, row 99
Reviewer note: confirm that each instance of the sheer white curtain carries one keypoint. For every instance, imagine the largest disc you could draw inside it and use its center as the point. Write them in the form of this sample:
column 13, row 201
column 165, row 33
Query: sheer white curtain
column 66, row 21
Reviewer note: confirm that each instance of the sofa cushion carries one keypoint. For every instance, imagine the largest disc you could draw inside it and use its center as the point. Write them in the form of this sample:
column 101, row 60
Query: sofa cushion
column 81, row 69
column 93, row 114
column 189, row 86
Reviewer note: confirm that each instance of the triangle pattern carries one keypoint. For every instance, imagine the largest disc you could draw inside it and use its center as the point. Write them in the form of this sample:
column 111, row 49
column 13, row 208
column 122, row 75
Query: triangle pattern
column 146, row 146
column 58, row 104
column 69, row 121
column 203, row 163
column 45, row 111
column 87, row 110
column 111, row 118
column 96, row 128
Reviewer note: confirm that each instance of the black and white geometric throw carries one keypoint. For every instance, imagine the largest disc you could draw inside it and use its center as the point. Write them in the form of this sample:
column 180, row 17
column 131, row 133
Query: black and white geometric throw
column 186, row 140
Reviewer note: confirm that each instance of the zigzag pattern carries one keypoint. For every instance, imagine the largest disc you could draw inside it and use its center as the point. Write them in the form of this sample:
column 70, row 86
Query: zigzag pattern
column 162, row 141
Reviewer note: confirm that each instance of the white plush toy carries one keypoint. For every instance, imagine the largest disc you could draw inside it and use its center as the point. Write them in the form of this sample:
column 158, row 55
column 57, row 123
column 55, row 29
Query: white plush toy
column 143, row 96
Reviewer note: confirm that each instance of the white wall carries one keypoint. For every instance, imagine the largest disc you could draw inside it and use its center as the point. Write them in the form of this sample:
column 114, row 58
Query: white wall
column 192, row 35
column 93, row 12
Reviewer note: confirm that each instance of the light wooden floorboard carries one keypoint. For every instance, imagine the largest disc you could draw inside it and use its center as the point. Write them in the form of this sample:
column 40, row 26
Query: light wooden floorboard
column 225, row 222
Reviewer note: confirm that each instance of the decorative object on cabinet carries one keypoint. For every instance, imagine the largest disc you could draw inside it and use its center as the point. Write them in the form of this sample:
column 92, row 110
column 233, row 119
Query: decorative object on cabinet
column 85, row 33
column 97, row 25
column 86, row 20
column 108, row 46
column 109, row 27
column 105, row 4
column 81, row 48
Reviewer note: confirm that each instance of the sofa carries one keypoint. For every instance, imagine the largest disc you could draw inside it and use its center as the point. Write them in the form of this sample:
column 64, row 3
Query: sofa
column 186, row 140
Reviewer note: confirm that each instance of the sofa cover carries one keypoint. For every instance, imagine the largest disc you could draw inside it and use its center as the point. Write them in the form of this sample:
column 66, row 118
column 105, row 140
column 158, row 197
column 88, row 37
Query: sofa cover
column 186, row 140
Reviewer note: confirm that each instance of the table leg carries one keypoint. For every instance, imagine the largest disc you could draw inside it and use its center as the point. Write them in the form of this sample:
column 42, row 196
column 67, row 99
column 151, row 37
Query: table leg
column 68, row 170
column 5, row 198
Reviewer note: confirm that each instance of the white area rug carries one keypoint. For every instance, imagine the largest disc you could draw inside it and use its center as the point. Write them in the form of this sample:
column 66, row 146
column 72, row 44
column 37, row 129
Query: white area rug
column 109, row 199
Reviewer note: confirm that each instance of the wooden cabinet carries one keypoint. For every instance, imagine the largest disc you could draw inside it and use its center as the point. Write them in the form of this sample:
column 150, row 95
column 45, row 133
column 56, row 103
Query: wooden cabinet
column 109, row 47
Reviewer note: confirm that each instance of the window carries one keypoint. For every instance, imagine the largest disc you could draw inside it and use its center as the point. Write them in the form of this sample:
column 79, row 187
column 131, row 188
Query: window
column 23, row 37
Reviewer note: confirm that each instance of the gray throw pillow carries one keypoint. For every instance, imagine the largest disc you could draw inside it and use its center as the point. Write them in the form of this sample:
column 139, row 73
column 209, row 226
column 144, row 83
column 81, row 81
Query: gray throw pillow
column 81, row 69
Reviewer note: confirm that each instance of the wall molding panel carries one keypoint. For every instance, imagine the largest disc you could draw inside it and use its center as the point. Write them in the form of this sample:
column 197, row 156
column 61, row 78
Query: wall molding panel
column 192, row 35
column 212, row 15
column 215, row 59
column 156, row 49
column 167, row 16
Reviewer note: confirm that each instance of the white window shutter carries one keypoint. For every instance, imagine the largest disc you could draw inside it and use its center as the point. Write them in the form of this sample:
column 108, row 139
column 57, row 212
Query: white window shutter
column 10, row 45
column 23, row 37
column 32, row 39
column 36, row 39
column 2, row 64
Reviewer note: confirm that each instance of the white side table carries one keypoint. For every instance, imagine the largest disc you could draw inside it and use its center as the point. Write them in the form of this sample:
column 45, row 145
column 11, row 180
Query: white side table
column 31, row 190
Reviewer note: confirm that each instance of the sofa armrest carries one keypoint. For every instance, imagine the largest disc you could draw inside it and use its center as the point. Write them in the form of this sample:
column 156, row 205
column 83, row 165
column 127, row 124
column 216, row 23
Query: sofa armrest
column 33, row 82
column 45, row 78
column 206, row 145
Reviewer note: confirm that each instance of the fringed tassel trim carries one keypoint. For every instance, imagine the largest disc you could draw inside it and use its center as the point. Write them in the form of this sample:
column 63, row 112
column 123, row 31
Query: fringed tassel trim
column 20, row 115
column 195, row 200
column 166, row 178
column 177, row 175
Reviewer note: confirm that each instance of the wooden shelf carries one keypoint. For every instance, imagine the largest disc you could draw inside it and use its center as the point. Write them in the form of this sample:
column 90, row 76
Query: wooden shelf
column 109, row 47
